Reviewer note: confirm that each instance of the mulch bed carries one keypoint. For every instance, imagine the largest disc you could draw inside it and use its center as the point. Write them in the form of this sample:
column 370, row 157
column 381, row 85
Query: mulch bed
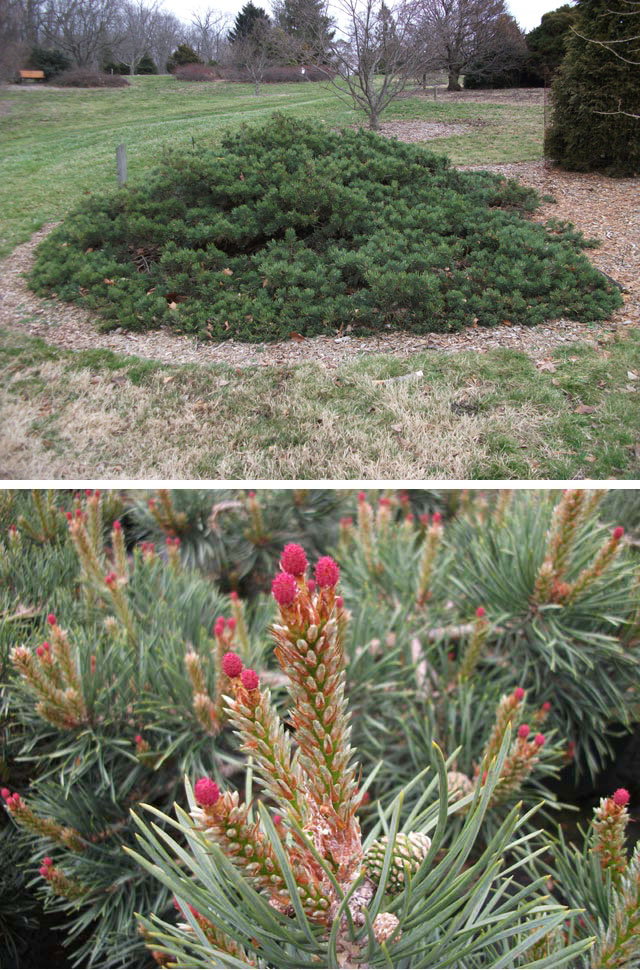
column 604, row 208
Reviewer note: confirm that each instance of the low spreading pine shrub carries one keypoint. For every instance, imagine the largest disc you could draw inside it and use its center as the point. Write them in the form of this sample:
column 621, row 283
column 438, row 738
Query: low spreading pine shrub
column 291, row 227
column 84, row 78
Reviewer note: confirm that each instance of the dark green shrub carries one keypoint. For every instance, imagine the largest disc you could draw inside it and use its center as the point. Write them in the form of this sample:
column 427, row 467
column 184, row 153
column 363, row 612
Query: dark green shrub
column 112, row 66
column 289, row 227
column 596, row 94
column 547, row 43
column 52, row 62
column 183, row 54
column 146, row 65
column 501, row 62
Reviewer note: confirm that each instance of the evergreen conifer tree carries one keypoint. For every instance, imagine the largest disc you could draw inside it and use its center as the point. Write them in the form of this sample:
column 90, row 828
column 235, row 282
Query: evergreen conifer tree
column 307, row 24
column 596, row 96
column 183, row 54
column 243, row 25
column 547, row 43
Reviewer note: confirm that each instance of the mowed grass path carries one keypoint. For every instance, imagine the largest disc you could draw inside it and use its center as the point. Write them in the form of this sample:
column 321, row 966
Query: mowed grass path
column 58, row 145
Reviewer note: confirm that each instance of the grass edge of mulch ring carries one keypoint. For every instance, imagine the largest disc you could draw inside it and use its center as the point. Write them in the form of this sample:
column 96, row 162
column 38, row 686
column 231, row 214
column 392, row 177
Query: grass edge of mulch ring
column 470, row 415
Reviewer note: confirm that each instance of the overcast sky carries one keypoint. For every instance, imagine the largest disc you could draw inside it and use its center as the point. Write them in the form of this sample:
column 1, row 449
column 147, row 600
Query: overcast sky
column 528, row 13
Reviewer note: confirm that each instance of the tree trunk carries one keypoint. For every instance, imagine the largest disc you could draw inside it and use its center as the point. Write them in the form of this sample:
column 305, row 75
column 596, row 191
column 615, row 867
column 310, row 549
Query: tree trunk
column 454, row 84
column 256, row 86
column 374, row 122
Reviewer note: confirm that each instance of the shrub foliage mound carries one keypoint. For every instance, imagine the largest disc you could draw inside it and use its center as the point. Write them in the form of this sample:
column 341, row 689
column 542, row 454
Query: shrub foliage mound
column 290, row 227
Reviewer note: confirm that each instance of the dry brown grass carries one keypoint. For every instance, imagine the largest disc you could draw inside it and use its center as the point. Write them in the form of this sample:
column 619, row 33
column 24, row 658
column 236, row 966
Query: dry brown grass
column 61, row 422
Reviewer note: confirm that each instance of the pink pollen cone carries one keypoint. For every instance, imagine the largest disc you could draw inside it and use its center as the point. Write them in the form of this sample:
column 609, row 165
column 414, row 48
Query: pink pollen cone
column 546, row 706
column 518, row 693
column 480, row 612
column 621, row 797
column 327, row 572
column 618, row 533
column 284, row 589
column 539, row 740
column 206, row 791
column 524, row 731
column 51, row 619
column 250, row 679
column 293, row 559
column 232, row 664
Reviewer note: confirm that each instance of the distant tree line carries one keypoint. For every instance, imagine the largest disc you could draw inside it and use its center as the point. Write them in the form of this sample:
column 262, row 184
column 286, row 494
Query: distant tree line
column 124, row 36
column 474, row 38
column 372, row 50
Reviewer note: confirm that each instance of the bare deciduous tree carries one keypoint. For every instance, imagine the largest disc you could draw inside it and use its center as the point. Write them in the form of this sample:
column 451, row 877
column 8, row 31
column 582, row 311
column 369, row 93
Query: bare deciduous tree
column 82, row 28
column 377, row 56
column 12, row 38
column 251, row 54
column 166, row 34
column 136, row 22
column 457, row 33
column 209, row 29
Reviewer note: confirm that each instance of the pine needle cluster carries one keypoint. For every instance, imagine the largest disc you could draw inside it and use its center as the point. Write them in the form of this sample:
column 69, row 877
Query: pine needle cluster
column 322, row 825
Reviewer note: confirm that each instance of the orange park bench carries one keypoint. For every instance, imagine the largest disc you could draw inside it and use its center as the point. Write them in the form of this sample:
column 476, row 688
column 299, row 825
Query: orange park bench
column 31, row 76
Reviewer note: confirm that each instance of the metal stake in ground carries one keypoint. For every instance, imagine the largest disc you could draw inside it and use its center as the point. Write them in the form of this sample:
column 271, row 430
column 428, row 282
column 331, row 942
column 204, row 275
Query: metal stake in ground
column 121, row 164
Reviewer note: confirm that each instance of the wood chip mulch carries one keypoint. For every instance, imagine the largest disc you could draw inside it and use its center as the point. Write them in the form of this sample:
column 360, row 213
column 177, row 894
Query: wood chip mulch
column 604, row 208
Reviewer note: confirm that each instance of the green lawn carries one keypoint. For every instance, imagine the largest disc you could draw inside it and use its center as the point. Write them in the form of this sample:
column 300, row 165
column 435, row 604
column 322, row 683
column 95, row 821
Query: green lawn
column 58, row 145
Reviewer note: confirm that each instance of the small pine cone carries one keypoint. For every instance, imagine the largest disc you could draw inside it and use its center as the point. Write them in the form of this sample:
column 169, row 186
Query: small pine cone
column 409, row 850
column 459, row 785
column 385, row 926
